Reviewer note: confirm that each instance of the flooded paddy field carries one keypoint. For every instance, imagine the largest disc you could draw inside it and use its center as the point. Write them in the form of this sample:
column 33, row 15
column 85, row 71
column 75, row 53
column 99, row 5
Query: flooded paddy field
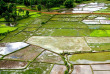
column 26, row 54
column 39, row 68
column 49, row 57
column 89, row 58
column 83, row 38
column 11, row 47
column 58, row 69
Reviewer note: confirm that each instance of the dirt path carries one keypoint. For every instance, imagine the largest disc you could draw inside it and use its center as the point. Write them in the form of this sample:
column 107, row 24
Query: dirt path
column 61, row 13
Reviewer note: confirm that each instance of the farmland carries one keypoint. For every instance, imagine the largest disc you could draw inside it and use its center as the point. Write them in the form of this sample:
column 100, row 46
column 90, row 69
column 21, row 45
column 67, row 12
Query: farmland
column 50, row 42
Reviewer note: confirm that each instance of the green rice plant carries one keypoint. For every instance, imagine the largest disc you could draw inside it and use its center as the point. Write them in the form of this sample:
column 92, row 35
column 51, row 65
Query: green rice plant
column 7, row 29
column 99, row 46
column 99, row 33
column 72, row 15
column 30, row 29
column 104, row 56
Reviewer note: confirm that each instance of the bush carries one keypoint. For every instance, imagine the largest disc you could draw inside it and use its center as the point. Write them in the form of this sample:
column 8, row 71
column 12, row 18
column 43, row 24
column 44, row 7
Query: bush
column 78, row 1
column 66, row 72
column 39, row 7
column 68, row 3
column 43, row 23
column 27, row 13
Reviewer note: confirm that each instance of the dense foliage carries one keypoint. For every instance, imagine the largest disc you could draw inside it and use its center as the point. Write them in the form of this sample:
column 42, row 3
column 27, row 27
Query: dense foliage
column 68, row 3
column 9, row 11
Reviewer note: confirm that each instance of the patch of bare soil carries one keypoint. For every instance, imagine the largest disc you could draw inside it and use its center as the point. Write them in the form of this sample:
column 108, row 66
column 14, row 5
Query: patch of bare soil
column 58, row 69
column 101, row 72
column 7, row 64
column 2, row 44
column 82, row 69
column 101, row 67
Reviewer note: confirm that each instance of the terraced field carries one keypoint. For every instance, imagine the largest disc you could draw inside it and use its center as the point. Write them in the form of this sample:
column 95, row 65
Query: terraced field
column 52, row 41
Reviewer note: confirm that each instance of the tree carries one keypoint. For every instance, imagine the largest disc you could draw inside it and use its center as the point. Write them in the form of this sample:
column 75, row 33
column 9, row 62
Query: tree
column 20, row 10
column 68, row 3
column 48, row 5
column 27, row 13
column 7, row 16
column 14, row 16
column 39, row 7
column 78, row 1
column 3, row 7
column 10, row 8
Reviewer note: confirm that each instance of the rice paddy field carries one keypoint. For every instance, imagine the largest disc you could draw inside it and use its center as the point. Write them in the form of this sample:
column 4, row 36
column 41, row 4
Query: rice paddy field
column 82, row 39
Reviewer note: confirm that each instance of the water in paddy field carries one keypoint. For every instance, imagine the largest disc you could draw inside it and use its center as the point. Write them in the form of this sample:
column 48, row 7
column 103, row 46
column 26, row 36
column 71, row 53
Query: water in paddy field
column 11, row 24
column 11, row 47
column 98, row 20
column 87, row 8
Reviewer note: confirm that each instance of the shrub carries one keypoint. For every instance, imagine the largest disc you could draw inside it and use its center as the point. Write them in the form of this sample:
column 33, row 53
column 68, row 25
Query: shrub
column 43, row 23
column 39, row 7
column 68, row 3
column 27, row 13
column 66, row 72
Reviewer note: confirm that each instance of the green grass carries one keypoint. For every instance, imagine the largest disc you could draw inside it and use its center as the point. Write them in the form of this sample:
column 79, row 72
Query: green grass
column 64, row 32
column 99, row 46
column 22, row 36
column 91, row 56
column 30, row 29
column 104, row 27
column 34, row 25
column 1, row 37
column 15, row 32
column 35, row 15
column 21, row 13
column 3, row 25
column 2, row 19
column 108, row 32
column 26, row 20
column 98, row 33
column 32, row 14
column 21, row 25
column 55, row 8
column 60, row 24
column 7, row 29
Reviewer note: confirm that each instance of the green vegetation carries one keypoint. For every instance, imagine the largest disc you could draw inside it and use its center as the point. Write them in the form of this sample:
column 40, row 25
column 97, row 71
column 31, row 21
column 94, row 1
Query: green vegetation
column 100, row 33
column 28, row 22
column 104, row 56
column 68, row 3
column 38, row 68
column 55, row 8
column 1, row 37
column 7, row 29
column 99, row 46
